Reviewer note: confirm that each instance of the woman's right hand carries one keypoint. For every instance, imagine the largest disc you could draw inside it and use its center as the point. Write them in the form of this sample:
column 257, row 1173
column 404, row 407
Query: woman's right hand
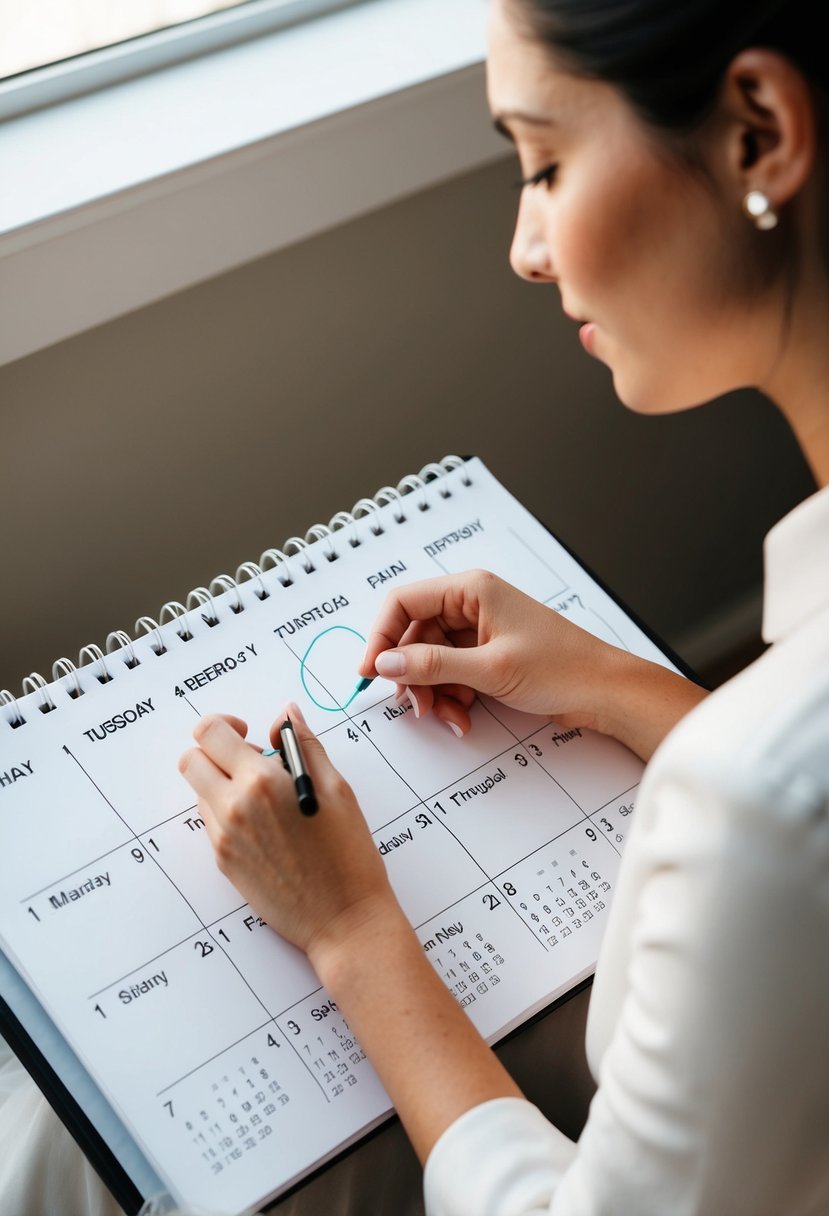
column 445, row 639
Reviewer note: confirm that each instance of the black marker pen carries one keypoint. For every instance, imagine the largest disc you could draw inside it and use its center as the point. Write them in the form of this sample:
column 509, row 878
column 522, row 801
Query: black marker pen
column 295, row 762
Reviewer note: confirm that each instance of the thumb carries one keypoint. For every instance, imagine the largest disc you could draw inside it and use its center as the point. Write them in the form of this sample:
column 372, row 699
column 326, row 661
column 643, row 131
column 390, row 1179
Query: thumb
column 422, row 664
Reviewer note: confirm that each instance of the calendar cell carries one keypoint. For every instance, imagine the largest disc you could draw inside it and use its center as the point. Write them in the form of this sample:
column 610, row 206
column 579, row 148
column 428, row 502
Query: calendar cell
column 425, row 862
column 95, row 833
column 563, row 894
column 512, row 789
column 484, row 953
column 182, row 849
column 150, row 722
column 592, row 768
column 242, row 669
column 66, row 931
column 165, row 1015
column 321, row 1038
column 236, row 1122
column 519, row 724
column 277, row 972
column 426, row 754
column 381, row 792
column 519, row 561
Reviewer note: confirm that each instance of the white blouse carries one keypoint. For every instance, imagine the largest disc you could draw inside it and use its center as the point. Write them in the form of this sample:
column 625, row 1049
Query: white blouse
column 708, row 1031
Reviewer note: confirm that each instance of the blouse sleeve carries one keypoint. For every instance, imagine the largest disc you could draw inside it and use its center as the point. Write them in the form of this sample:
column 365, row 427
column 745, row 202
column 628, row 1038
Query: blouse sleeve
column 712, row 1092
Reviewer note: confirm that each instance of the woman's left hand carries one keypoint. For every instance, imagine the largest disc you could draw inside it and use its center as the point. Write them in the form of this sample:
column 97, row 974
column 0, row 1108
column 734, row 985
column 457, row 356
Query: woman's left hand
column 313, row 879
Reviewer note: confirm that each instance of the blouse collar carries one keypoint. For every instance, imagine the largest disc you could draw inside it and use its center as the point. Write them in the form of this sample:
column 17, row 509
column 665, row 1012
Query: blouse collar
column 796, row 556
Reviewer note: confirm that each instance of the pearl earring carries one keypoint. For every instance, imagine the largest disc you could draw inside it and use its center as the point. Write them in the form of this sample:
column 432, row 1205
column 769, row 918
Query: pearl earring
column 759, row 210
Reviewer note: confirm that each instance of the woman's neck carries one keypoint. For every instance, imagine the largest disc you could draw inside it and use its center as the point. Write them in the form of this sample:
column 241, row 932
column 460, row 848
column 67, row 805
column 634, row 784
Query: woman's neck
column 799, row 382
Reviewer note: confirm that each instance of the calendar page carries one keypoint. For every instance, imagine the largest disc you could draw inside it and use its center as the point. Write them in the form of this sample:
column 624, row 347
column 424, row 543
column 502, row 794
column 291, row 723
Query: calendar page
column 209, row 1035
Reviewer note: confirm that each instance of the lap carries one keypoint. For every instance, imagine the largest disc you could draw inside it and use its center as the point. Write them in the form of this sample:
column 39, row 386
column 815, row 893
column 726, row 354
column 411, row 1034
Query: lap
column 42, row 1170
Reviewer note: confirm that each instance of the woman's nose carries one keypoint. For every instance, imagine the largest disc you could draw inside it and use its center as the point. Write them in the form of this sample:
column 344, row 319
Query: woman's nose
column 529, row 253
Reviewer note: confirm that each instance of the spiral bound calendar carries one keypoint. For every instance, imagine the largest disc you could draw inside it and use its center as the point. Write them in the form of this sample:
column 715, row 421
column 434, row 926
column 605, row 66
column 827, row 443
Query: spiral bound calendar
column 188, row 1046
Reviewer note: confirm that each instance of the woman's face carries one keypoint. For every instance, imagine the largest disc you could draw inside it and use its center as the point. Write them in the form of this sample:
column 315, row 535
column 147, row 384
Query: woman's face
column 643, row 249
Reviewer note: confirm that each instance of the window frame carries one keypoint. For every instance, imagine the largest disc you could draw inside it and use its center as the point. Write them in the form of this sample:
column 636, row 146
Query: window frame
column 106, row 66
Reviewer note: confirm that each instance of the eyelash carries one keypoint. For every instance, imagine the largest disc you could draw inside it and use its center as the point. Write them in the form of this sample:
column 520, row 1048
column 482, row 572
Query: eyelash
column 545, row 175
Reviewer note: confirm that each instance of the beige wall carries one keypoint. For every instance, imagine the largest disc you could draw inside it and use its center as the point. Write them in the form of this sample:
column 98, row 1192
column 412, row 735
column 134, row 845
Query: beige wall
column 146, row 456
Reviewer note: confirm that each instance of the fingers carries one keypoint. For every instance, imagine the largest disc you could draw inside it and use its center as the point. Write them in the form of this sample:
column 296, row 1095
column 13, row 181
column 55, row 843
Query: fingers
column 445, row 600
column 423, row 664
column 452, row 705
column 208, row 781
column 222, row 742
column 238, row 725
column 241, row 728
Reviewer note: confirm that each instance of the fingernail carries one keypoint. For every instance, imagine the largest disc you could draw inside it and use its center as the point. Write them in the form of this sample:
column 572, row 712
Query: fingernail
column 390, row 663
column 413, row 700
column 295, row 712
column 455, row 729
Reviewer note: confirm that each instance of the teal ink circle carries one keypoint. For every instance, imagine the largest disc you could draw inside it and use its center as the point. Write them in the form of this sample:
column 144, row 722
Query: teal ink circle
column 329, row 709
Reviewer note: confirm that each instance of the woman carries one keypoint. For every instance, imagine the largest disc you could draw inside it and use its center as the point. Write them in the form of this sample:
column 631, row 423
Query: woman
column 674, row 192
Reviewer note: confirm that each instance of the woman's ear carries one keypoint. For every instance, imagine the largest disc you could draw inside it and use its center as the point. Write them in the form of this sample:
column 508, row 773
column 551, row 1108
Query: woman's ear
column 772, row 125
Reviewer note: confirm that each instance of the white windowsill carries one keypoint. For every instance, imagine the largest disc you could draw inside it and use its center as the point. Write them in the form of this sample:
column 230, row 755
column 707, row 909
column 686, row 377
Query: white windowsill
column 116, row 199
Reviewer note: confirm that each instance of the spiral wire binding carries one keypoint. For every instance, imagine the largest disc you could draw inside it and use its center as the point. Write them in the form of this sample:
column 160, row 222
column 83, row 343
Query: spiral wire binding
column 9, row 699
column 200, row 597
column 36, row 683
column 65, row 667
column 321, row 532
column 253, row 571
column 150, row 626
column 295, row 544
column 344, row 519
column 367, row 507
column 121, row 640
column 389, row 494
column 202, row 600
column 223, row 584
column 95, row 657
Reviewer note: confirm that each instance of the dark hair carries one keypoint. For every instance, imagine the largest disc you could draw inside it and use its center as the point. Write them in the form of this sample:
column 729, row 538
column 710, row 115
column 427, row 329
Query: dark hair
column 668, row 57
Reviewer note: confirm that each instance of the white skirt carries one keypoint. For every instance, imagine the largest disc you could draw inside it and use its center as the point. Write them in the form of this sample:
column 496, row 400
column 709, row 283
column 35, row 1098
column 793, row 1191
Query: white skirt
column 42, row 1170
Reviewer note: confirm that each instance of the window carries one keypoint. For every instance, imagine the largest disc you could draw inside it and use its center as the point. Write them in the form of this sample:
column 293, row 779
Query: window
column 40, row 32
column 51, row 50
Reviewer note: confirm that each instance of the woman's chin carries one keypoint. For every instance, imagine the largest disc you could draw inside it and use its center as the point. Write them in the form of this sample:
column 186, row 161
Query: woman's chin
column 642, row 395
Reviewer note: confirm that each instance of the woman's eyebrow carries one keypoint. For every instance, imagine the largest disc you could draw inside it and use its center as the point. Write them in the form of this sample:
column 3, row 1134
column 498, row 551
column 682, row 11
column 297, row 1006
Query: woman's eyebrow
column 501, row 120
